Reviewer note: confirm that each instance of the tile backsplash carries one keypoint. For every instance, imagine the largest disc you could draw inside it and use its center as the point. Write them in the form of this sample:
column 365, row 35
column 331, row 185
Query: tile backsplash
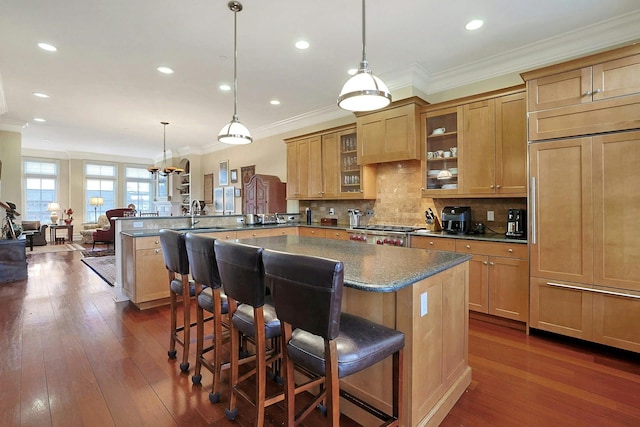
column 399, row 201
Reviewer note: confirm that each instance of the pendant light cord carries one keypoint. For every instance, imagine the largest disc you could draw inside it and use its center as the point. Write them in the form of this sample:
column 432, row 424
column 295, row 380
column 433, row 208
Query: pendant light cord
column 364, row 43
column 235, row 60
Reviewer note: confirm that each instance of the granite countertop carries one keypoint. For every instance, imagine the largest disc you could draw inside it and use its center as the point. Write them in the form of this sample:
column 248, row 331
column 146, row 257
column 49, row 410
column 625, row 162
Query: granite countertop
column 373, row 268
column 146, row 232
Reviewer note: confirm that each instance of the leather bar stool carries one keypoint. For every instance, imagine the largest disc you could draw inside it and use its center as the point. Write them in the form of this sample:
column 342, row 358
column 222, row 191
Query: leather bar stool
column 242, row 278
column 208, row 288
column 174, row 252
column 307, row 293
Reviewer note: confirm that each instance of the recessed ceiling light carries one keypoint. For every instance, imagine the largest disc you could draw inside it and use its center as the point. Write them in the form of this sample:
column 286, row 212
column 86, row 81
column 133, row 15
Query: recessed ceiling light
column 301, row 44
column 48, row 47
column 165, row 70
column 274, row 102
column 38, row 119
column 40, row 95
column 474, row 24
column 352, row 71
column 225, row 87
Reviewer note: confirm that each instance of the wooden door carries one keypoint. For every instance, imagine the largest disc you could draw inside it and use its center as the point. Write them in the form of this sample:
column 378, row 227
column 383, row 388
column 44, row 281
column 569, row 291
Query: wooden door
column 616, row 192
column 479, row 283
column 509, row 288
column 331, row 165
column 561, row 210
column 562, row 310
column 250, row 202
column 616, row 78
column 616, row 319
column 315, row 167
column 479, row 148
column 560, row 90
column 511, row 145
column 262, row 197
column 303, row 168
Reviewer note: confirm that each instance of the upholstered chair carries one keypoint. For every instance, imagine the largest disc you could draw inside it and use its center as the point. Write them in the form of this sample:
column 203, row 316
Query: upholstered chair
column 108, row 235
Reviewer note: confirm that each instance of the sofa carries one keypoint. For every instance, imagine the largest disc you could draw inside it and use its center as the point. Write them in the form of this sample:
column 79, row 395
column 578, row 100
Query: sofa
column 108, row 236
column 89, row 228
column 40, row 235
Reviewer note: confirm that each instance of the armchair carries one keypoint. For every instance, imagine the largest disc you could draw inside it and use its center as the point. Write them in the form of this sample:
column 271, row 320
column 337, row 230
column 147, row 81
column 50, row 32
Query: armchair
column 108, row 236
column 39, row 232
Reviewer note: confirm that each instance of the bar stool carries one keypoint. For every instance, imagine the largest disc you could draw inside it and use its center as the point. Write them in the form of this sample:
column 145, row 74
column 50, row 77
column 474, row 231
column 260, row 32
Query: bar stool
column 242, row 278
column 208, row 288
column 307, row 293
column 174, row 252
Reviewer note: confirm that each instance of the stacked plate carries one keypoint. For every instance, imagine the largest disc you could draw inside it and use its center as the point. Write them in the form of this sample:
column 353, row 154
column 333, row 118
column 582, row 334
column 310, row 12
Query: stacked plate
column 450, row 186
column 433, row 172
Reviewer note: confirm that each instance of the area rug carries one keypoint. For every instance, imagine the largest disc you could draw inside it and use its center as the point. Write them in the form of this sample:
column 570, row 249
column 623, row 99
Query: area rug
column 104, row 266
column 104, row 252
column 55, row 248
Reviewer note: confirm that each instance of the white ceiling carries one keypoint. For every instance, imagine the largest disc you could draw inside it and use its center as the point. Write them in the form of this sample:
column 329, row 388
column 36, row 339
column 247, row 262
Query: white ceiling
column 107, row 97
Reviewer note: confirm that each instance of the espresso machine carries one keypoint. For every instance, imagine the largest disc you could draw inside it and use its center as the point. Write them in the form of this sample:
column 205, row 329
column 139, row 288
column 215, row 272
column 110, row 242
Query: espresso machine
column 456, row 219
column 516, row 224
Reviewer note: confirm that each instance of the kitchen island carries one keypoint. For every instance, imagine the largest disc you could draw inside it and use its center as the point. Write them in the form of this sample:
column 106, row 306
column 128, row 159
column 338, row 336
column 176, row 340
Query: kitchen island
column 420, row 292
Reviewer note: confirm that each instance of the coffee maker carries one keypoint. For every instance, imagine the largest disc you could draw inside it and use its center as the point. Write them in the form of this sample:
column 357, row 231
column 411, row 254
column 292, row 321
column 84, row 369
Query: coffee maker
column 456, row 219
column 516, row 224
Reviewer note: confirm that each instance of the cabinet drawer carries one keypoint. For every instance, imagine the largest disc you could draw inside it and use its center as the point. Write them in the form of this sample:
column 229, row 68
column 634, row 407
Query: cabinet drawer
column 507, row 250
column 337, row 234
column 151, row 242
column 312, row 232
column 435, row 243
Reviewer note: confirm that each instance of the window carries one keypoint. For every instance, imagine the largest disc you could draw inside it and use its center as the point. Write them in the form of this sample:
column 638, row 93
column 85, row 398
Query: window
column 100, row 182
column 41, row 184
column 138, row 188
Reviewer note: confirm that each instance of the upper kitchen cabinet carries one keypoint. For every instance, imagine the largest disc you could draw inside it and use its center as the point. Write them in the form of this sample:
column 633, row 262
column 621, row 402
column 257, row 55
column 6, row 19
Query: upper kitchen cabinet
column 391, row 134
column 477, row 146
column 495, row 147
column 596, row 94
column 324, row 165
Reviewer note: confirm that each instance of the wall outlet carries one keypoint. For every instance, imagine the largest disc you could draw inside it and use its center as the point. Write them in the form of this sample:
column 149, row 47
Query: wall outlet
column 240, row 220
column 424, row 304
column 370, row 212
column 489, row 215
column 331, row 211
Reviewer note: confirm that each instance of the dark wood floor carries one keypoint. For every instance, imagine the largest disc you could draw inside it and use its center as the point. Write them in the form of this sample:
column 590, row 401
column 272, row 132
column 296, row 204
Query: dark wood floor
column 70, row 356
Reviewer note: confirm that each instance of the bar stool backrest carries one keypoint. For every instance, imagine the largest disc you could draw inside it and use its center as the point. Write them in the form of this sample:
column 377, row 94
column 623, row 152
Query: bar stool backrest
column 174, row 251
column 241, row 272
column 202, row 260
column 306, row 291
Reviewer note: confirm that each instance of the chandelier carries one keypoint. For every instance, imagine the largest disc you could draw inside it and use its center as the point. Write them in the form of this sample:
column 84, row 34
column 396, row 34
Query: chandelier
column 364, row 91
column 235, row 132
column 165, row 170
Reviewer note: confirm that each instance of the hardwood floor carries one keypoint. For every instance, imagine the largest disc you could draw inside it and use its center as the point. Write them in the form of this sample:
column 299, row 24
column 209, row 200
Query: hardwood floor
column 71, row 356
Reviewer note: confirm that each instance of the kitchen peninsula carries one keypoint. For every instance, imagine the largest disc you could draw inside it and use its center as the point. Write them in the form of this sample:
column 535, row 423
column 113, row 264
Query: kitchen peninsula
column 422, row 293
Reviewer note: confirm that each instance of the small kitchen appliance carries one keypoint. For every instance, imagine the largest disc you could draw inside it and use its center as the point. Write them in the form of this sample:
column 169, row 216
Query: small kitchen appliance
column 516, row 224
column 456, row 219
column 354, row 217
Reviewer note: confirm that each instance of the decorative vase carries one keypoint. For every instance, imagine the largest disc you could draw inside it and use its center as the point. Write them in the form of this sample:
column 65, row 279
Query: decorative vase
column 54, row 217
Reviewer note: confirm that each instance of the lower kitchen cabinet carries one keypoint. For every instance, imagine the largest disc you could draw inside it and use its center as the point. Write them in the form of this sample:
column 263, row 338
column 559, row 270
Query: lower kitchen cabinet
column 433, row 243
column 312, row 232
column 144, row 275
column 266, row 232
column 336, row 234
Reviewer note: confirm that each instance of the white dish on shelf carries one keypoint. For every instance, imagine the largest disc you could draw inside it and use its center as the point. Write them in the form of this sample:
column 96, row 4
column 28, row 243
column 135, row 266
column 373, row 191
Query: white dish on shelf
column 438, row 131
column 454, row 171
column 433, row 172
column 450, row 186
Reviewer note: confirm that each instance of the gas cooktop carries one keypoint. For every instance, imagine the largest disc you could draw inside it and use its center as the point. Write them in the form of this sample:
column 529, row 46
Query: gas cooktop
column 393, row 228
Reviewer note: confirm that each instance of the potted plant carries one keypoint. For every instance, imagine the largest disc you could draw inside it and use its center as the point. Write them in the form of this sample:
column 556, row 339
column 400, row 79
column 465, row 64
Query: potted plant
column 69, row 218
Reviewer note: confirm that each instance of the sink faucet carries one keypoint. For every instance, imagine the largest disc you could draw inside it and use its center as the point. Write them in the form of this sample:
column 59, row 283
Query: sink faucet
column 195, row 210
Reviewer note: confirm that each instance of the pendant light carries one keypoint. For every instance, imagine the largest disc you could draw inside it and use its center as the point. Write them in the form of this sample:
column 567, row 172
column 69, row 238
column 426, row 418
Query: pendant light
column 235, row 132
column 165, row 170
column 364, row 91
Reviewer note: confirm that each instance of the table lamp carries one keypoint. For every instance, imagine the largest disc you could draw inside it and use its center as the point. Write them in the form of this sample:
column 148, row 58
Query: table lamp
column 53, row 207
column 95, row 202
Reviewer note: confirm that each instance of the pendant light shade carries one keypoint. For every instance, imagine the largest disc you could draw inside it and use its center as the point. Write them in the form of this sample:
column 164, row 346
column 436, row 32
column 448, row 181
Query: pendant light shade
column 364, row 91
column 234, row 132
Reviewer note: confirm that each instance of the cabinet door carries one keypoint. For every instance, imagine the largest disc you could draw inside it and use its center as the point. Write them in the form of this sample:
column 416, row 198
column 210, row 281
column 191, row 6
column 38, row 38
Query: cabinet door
column 479, row 283
column 330, row 165
column 152, row 281
column 434, row 243
column 616, row 192
column 250, row 202
column 315, row 167
column 293, row 173
column 511, row 145
column 509, row 288
column 479, row 148
column 616, row 78
column 616, row 320
column 436, row 145
column 560, row 90
column 561, row 310
column 561, row 217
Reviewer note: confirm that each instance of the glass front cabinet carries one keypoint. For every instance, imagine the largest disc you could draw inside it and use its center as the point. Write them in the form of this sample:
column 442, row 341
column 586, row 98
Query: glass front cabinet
column 441, row 130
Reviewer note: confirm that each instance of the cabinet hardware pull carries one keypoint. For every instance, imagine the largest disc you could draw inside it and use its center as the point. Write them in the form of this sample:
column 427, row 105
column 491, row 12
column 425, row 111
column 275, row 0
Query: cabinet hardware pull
column 587, row 93
column 533, row 210
column 468, row 246
column 431, row 243
column 596, row 91
column 510, row 250
column 157, row 242
column 596, row 291
column 485, row 262
column 157, row 251
column 498, row 186
column 491, row 186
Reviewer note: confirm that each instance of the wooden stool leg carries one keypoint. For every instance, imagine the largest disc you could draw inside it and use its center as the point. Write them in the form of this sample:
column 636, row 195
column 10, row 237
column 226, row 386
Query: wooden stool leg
column 186, row 315
column 174, row 319
column 217, row 347
column 232, row 410
column 261, row 365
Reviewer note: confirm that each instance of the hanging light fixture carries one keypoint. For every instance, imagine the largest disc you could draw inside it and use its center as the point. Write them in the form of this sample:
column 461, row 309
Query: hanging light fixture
column 364, row 91
column 165, row 170
column 235, row 132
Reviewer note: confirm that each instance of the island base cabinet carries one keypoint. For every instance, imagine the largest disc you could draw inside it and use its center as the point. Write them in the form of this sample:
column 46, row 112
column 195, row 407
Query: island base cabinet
column 615, row 321
column 433, row 315
column 144, row 275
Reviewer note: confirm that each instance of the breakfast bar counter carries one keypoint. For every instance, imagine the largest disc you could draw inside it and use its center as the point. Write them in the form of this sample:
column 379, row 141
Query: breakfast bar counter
column 420, row 292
